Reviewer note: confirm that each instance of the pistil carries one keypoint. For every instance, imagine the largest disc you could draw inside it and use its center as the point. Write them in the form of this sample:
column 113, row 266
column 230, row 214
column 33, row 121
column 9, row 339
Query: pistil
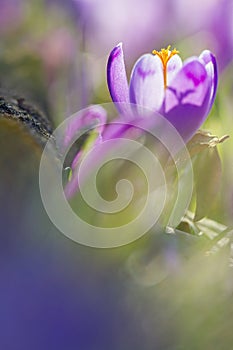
column 165, row 55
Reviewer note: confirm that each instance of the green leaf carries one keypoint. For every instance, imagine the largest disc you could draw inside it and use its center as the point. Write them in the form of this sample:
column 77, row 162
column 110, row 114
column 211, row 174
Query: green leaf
column 218, row 235
column 207, row 174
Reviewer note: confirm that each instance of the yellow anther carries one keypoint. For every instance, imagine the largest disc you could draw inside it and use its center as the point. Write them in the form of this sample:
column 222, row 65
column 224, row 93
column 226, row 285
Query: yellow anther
column 165, row 55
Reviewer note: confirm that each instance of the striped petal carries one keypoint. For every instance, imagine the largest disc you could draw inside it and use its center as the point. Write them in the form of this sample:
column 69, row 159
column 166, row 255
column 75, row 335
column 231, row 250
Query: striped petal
column 210, row 63
column 187, row 99
column 117, row 79
column 173, row 66
column 147, row 83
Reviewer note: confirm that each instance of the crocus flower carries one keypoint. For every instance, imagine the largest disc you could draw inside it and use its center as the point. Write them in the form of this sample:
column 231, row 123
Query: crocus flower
column 93, row 120
column 183, row 92
column 89, row 128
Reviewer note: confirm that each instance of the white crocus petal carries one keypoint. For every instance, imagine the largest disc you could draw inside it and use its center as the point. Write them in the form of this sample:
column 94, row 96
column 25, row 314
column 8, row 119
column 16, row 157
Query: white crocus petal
column 173, row 66
column 147, row 83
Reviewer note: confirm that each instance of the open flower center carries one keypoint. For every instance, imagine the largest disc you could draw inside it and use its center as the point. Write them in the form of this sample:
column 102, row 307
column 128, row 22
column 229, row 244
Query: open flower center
column 165, row 55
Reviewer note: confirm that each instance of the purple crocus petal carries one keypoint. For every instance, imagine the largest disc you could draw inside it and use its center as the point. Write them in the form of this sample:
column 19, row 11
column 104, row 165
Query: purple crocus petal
column 116, row 77
column 93, row 116
column 187, row 99
column 211, row 67
column 173, row 66
column 189, row 86
column 115, row 130
column 147, row 83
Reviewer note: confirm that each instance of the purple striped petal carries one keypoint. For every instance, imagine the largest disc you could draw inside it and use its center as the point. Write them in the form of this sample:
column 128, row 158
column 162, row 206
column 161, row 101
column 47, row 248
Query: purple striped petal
column 211, row 67
column 116, row 77
column 173, row 66
column 147, row 82
column 187, row 98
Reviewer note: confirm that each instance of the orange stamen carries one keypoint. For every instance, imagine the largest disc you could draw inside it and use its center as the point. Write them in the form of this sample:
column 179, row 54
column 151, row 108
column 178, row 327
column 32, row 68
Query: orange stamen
column 165, row 55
